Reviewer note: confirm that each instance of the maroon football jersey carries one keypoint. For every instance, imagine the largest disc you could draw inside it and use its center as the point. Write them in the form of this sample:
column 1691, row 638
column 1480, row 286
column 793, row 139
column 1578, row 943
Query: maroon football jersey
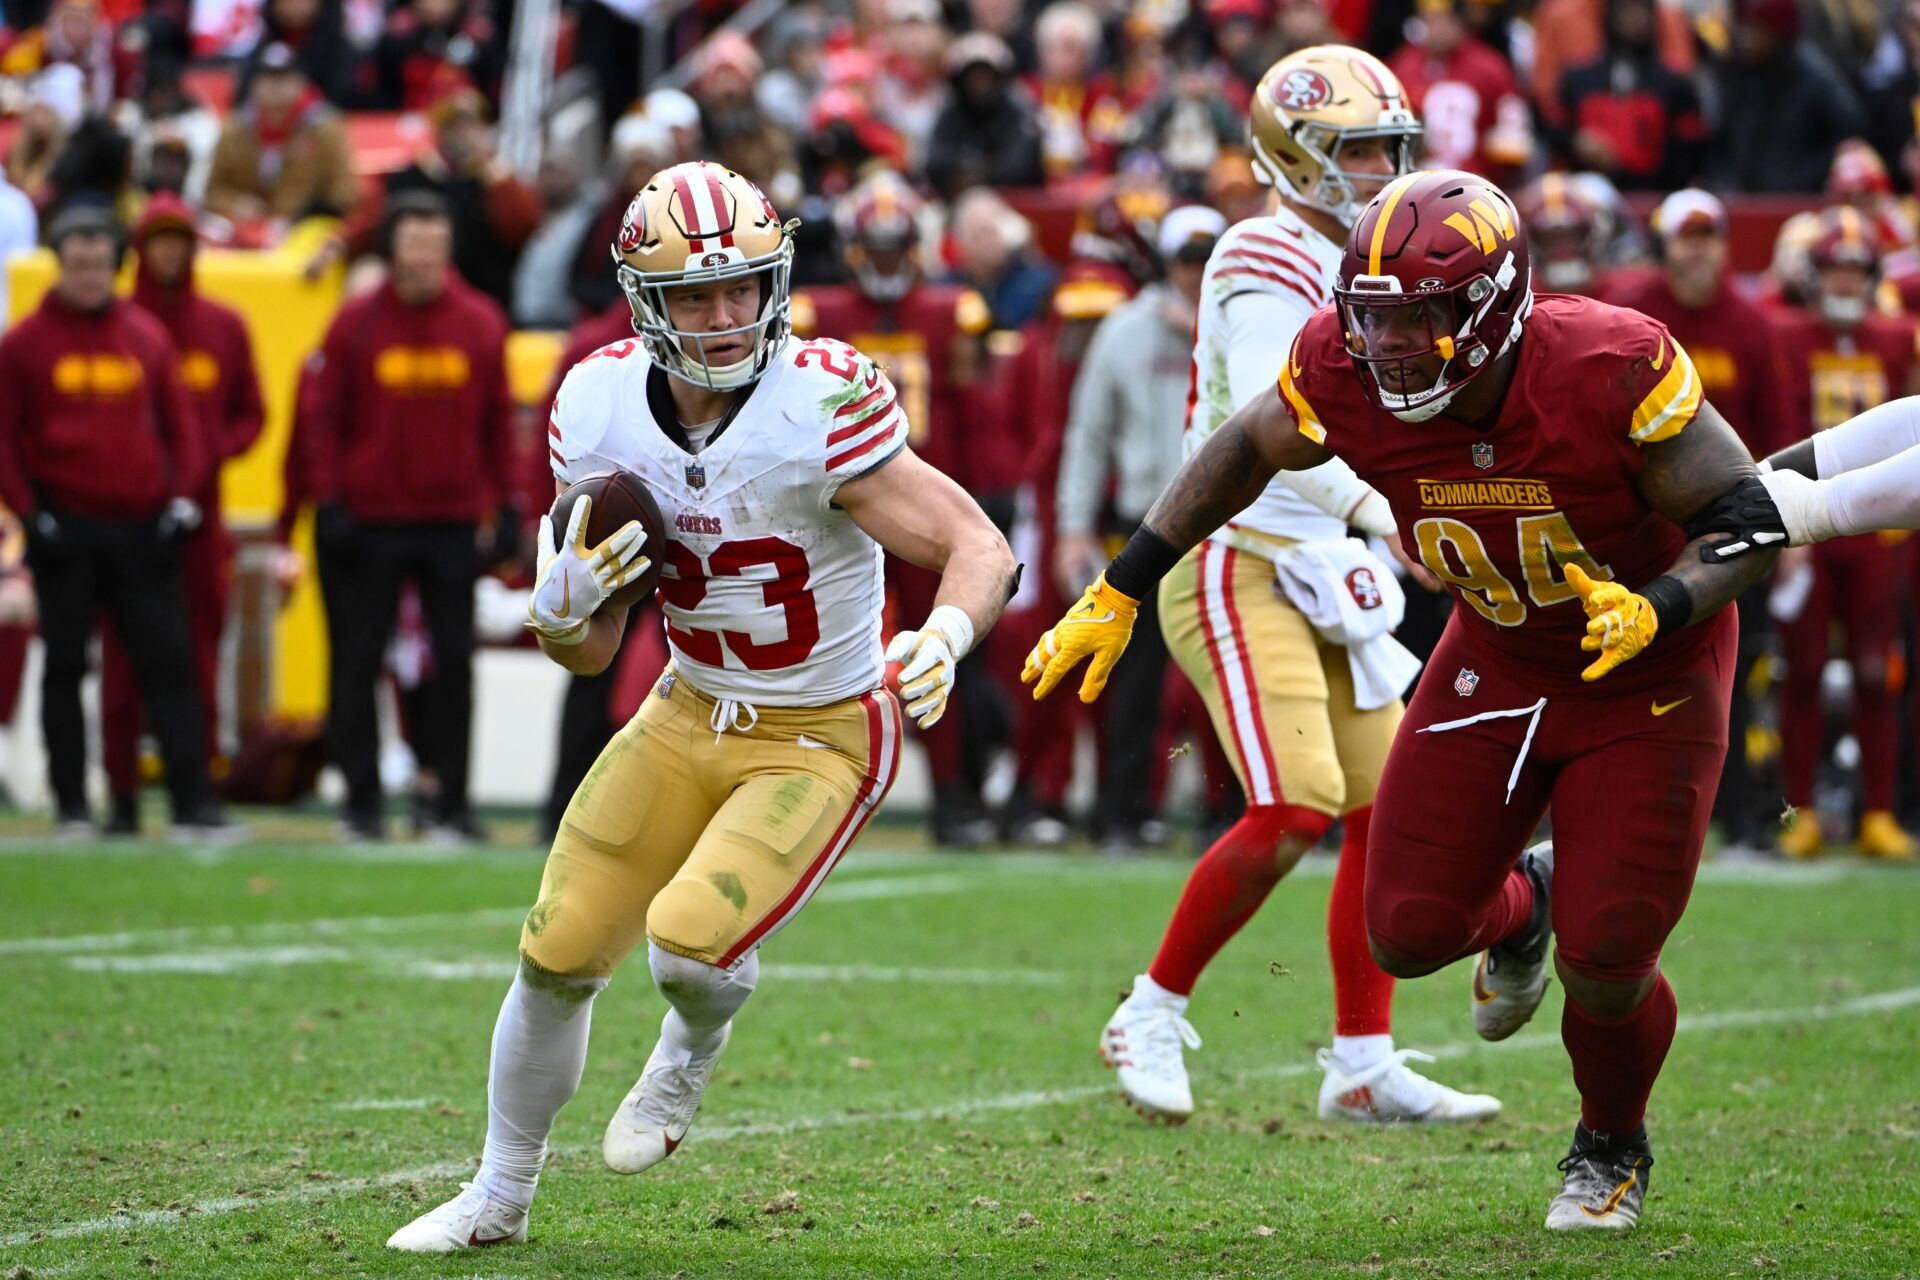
column 1835, row 376
column 914, row 342
column 1497, row 511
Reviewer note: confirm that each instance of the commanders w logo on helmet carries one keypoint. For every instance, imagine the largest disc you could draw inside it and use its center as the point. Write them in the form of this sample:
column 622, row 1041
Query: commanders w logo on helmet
column 1481, row 220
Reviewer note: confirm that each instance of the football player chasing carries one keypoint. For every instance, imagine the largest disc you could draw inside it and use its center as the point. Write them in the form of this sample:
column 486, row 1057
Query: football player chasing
column 1330, row 126
column 1541, row 454
column 782, row 471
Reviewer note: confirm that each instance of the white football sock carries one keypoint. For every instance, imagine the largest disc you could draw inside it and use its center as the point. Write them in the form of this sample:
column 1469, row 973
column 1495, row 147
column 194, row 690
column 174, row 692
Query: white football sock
column 1145, row 988
column 704, row 997
column 1357, row 1053
column 539, row 1051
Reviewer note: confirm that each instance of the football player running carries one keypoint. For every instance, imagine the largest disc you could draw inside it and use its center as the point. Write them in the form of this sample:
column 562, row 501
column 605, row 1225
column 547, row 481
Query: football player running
column 1329, row 127
column 782, row 471
column 1542, row 454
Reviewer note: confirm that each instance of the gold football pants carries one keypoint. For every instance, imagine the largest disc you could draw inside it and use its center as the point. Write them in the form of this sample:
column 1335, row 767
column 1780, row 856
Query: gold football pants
column 708, row 841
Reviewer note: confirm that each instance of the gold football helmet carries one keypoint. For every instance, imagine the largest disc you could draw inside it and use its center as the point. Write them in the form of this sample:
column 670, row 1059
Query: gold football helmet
column 700, row 223
column 1310, row 104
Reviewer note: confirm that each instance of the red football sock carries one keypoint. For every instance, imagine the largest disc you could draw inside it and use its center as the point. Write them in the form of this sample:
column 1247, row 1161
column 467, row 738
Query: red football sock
column 1876, row 724
column 1616, row 1063
column 1227, row 886
column 1509, row 914
column 1362, row 991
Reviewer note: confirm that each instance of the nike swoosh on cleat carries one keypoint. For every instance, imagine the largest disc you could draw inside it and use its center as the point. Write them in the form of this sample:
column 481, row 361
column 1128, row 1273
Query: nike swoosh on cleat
column 1662, row 710
column 1480, row 993
column 1612, row 1201
column 475, row 1242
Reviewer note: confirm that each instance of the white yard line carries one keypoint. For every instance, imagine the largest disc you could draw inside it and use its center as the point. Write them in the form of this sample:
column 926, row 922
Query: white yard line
column 857, row 889
column 387, row 1104
column 1879, row 1002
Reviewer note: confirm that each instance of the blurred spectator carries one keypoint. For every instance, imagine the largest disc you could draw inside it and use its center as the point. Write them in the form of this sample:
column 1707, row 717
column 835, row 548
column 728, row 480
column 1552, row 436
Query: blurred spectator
column 1784, row 108
column 1890, row 82
column 1843, row 359
column 427, row 42
column 1298, row 24
column 1233, row 190
column 1143, row 63
column 987, row 135
column 494, row 213
column 639, row 149
column 99, row 454
column 411, row 455
column 1189, row 126
column 679, row 115
column 995, row 257
column 19, row 233
column 1566, row 231
column 1859, row 179
column 50, row 115
column 1572, row 33
column 223, row 391
column 846, row 143
column 1243, row 36
column 174, row 135
column 1465, row 94
column 284, row 155
column 1846, row 32
column 910, row 86
column 786, row 92
column 1007, row 21
column 1080, row 118
column 1733, row 348
column 1789, row 280
column 1626, row 114
column 95, row 165
column 1124, row 430
column 76, row 34
column 1117, row 234
column 316, row 31
column 738, row 133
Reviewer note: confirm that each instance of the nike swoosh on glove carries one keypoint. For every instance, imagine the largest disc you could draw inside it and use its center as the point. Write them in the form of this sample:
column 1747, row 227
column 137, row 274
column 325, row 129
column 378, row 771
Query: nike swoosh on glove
column 1620, row 623
column 1097, row 627
column 573, row 580
column 930, row 659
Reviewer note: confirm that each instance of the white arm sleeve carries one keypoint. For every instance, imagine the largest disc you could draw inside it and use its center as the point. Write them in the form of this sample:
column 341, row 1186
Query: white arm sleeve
column 1258, row 331
column 1867, row 438
column 1882, row 495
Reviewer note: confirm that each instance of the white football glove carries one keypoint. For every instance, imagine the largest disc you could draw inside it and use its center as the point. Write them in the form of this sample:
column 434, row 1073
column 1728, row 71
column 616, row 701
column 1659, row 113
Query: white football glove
column 929, row 659
column 573, row 581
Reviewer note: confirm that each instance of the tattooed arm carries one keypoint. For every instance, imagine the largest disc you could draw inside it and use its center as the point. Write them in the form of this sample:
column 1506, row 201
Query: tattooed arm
column 1685, row 475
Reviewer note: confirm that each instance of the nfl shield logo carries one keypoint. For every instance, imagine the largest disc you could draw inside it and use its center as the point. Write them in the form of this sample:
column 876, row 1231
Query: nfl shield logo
column 1466, row 682
column 1482, row 454
column 696, row 476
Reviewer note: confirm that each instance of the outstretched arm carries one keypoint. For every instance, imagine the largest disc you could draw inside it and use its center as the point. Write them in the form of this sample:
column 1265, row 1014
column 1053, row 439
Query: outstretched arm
column 1215, row 484
column 1688, row 475
column 922, row 516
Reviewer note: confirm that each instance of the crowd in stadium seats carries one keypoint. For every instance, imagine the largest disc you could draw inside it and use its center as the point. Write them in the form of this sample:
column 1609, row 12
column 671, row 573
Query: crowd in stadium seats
column 1033, row 161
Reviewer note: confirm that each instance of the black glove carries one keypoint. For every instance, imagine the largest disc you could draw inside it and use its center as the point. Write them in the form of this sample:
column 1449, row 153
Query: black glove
column 506, row 534
column 1747, row 512
column 333, row 528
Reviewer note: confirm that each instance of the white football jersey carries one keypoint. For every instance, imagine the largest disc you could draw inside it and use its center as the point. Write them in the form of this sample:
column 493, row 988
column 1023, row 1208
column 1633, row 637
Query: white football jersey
column 1265, row 277
column 772, row 594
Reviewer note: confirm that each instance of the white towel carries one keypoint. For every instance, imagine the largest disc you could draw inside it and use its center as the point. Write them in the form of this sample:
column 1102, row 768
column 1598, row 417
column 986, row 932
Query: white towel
column 1353, row 600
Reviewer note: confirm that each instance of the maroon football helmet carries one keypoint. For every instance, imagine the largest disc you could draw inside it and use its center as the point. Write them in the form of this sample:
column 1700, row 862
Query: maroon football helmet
column 1436, row 265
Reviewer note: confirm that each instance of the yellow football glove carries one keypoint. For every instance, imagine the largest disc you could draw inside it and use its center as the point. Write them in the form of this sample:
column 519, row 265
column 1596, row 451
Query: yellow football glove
column 1098, row 626
column 1620, row 623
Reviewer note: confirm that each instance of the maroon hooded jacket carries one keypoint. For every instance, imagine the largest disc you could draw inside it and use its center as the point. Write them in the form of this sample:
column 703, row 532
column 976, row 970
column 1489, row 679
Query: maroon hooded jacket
column 216, row 358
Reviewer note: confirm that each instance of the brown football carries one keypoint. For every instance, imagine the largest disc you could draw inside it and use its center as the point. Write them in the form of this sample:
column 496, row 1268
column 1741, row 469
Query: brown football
column 618, row 496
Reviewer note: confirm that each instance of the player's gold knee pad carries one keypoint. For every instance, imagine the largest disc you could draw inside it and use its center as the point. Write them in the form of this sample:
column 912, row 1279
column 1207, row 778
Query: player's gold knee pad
column 697, row 918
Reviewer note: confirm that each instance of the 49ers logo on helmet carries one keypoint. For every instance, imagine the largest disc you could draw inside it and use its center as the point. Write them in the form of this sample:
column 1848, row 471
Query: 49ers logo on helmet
column 1303, row 90
column 714, row 260
column 633, row 227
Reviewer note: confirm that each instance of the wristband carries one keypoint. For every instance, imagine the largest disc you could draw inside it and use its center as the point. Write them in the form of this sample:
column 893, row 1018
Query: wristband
column 1141, row 564
column 954, row 626
column 1672, row 606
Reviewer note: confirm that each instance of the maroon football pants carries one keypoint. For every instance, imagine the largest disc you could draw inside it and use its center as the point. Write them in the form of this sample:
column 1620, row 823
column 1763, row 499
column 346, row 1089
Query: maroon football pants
column 205, row 559
column 1630, row 775
column 1860, row 583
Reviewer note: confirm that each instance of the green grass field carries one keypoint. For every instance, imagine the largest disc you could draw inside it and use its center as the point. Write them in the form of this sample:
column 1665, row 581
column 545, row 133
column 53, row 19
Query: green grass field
column 259, row 1062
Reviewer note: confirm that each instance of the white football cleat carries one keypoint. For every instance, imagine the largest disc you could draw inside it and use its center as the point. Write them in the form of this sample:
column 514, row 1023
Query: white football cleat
column 1391, row 1092
column 658, row 1110
column 1510, row 979
column 1141, row 1042
column 471, row 1220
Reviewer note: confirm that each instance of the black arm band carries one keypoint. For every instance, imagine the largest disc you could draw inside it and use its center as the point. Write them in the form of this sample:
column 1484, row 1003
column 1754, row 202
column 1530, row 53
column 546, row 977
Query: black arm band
column 1671, row 603
column 1141, row 564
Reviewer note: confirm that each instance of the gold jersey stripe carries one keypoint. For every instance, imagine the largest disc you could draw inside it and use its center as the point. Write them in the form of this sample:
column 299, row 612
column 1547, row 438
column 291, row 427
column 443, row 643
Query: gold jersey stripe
column 1672, row 404
column 1310, row 424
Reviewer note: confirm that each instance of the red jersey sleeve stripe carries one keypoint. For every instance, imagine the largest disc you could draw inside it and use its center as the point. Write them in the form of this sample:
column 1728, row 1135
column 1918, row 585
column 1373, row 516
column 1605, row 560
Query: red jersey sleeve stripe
column 848, row 410
column 848, row 432
column 897, row 431
column 1292, row 250
column 553, row 455
column 1311, row 297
